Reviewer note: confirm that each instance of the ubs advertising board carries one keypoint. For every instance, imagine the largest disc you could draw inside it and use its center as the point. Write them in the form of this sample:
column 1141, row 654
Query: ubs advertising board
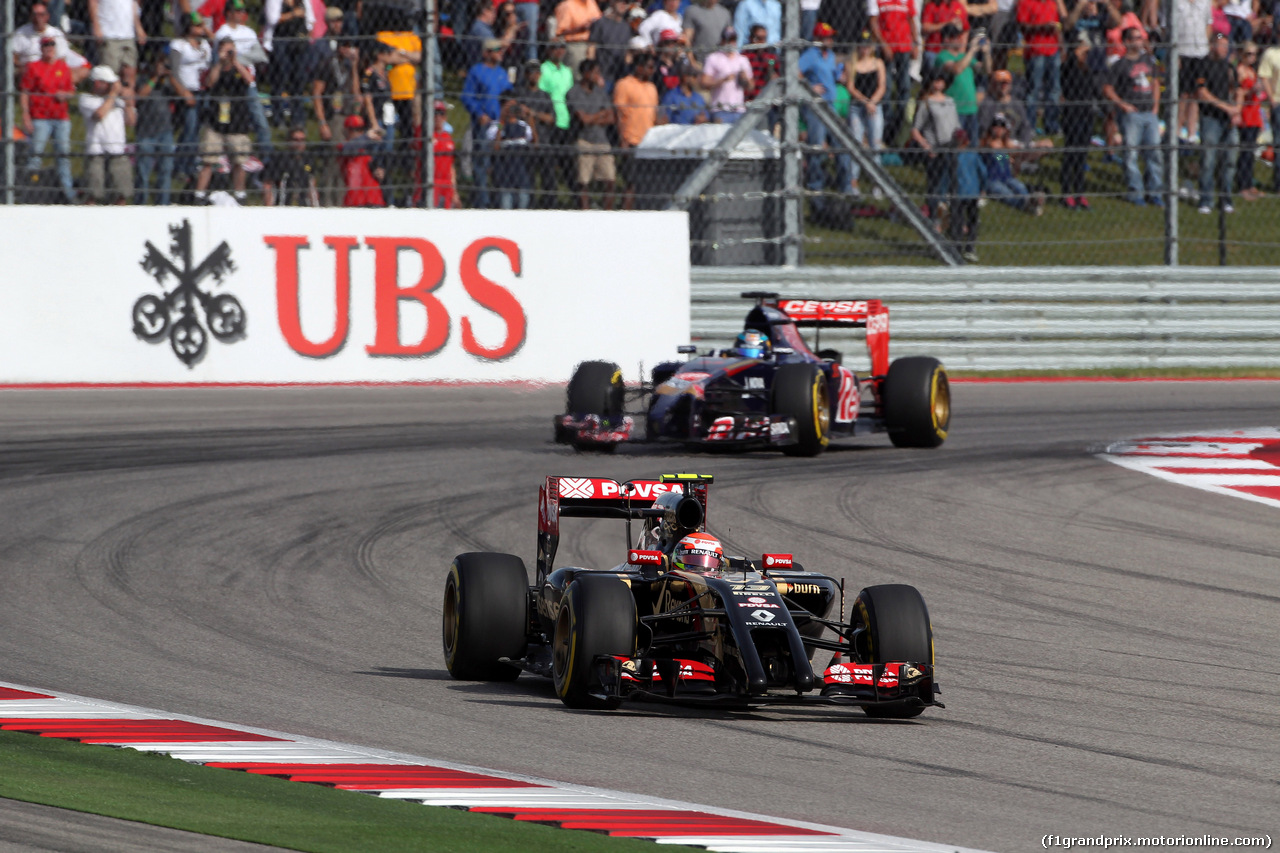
column 289, row 295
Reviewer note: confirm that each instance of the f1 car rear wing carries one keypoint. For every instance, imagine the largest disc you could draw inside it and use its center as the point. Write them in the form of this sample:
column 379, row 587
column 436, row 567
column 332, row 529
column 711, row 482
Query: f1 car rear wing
column 869, row 314
column 602, row 497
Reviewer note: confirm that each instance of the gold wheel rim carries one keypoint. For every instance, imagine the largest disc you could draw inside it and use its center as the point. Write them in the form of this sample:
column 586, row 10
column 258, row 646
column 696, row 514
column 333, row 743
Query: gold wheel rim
column 560, row 647
column 941, row 401
column 822, row 411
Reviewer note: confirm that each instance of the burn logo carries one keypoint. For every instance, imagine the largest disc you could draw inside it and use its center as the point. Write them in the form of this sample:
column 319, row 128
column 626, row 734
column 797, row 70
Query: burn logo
column 176, row 314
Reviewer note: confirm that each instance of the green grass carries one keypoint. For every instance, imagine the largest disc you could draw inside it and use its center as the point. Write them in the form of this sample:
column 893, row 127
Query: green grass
column 164, row 791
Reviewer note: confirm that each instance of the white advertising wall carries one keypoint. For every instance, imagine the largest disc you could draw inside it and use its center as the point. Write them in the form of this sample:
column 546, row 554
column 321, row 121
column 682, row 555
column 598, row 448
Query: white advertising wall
column 289, row 295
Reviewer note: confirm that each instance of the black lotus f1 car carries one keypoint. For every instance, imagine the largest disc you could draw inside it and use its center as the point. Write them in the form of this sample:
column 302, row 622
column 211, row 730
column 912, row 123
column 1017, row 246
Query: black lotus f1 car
column 791, row 398
column 757, row 632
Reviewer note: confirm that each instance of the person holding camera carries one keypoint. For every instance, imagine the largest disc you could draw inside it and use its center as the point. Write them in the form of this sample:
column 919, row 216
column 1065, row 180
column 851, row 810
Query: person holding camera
column 228, row 120
column 958, row 61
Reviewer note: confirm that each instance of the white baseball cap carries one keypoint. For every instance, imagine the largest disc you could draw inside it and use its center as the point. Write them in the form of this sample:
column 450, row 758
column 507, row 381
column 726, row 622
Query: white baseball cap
column 103, row 74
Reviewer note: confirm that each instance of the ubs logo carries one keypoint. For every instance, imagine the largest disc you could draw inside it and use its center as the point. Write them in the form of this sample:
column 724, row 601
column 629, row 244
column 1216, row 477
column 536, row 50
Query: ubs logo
column 177, row 314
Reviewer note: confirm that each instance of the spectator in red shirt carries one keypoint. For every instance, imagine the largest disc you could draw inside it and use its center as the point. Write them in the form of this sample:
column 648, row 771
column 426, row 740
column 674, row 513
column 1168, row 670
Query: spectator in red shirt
column 1254, row 96
column 897, row 28
column 1041, row 22
column 935, row 15
column 763, row 59
column 45, row 89
column 361, row 173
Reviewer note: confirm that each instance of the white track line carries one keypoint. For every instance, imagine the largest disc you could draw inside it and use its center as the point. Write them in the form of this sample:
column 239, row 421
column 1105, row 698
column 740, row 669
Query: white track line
column 294, row 749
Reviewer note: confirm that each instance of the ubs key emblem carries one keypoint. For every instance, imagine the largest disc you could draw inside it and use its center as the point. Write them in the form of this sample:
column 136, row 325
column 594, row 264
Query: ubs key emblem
column 176, row 315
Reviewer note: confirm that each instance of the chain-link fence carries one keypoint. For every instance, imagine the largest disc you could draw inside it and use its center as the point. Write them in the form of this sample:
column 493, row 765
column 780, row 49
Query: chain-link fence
column 1027, row 132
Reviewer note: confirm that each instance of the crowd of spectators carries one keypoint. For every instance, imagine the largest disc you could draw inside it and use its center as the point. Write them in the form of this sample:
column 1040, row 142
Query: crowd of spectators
column 295, row 102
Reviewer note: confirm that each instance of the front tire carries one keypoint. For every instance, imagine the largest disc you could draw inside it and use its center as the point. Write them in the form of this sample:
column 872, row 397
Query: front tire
column 485, row 616
column 897, row 629
column 917, row 402
column 800, row 390
column 596, row 388
column 597, row 617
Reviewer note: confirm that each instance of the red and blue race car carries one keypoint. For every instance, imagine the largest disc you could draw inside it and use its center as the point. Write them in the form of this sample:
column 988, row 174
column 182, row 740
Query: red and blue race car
column 769, row 390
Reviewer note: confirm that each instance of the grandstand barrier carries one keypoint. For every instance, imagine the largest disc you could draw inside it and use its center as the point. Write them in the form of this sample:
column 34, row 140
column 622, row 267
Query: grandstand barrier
column 225, row 295
column 1064, row 318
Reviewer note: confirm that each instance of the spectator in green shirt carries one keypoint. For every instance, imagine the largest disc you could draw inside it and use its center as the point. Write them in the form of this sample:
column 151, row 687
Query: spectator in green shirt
column 959, row 62
column 557, row 80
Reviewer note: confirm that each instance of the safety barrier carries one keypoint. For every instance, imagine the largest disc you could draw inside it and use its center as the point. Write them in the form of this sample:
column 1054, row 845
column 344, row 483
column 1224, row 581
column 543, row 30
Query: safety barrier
column 1036, row 319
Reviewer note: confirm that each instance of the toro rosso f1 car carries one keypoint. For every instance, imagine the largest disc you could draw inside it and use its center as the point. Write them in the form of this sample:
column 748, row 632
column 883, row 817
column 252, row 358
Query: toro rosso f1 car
column 769, row 390
column 679, row 620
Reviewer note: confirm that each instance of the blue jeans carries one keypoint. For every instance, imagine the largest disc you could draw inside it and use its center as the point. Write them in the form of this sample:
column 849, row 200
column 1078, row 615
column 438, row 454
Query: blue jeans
column 259, row 119
column 188, row 124
column 528, row 15
column 867, row 124
column 149, row 149
column 815, row 164
column 897, row 93
column 808, row 20
column 1044, row 89
column 1012, row 192
column 43, row 129
column 1142, row 132
column 514, row 198
column 970, row 125
column 1219, row 140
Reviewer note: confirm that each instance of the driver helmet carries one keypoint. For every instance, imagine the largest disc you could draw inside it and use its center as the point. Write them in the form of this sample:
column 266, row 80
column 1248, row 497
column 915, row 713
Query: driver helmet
column 753, row 344
column 699, row 552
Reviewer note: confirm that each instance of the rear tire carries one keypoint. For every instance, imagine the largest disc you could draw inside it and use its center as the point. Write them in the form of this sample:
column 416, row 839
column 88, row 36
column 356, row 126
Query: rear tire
column 486, row 615
column 800, row 390
column 597, row 617
column 596, row 388
column 897, row 629
column 917, row 402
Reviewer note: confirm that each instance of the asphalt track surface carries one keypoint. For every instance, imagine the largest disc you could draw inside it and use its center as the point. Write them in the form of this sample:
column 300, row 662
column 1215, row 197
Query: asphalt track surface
column 275, row 558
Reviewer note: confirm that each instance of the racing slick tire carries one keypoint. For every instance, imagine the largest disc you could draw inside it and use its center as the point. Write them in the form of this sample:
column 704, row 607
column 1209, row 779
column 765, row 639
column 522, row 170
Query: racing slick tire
column 800, row 390
column 597, row 617
column 596, row 388
column 897, row 629
column 486, row 616
column 917, row 402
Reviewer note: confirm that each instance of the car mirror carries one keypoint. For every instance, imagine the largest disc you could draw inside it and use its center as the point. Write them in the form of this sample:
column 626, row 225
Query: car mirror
column 686, row 349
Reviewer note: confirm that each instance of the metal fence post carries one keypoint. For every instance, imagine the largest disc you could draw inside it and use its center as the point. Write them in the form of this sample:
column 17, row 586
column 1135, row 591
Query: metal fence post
column 8, row 24
column 792, row 226
column 1171, row 160
column 429, row 104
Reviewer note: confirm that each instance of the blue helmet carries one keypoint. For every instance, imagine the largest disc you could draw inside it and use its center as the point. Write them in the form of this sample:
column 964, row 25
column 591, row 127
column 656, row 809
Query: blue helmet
column 753, row 344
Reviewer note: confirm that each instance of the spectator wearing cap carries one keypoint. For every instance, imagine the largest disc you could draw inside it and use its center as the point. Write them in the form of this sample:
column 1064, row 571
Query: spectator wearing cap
column 638, row 43
column 541, row 113
column 593, row 112
column 228, row 120
column 1002, row 182
column 189, row 58
column 107, row 109
column 1079, row 93
column 959, row 62
column 117, row 28
column 671, row 56
column 763, row 59
column 360, row 161
column 683, row 104
column 573, row 20
column 153, row 135
column 767, row 13
column 727, row 74
column 666, row 18
column 935, row 17
column 1220, row 100
column 335, row 95
column 510, row 138
column 444, row 179
column 609, row 35
column 44, row 92
column 25, row 43
column 865, row 81
column 819, row 67
column 484, row 85
column 1041, row 22
column 635, row 98
column 704, row 22
column 897, row 27
column 1134, row 87
column 251, row 53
